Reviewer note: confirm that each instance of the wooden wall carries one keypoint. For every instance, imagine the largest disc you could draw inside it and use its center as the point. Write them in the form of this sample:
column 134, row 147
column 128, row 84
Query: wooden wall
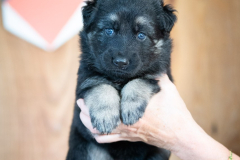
column 36, row 98
column 206, row 65
column 37, row 88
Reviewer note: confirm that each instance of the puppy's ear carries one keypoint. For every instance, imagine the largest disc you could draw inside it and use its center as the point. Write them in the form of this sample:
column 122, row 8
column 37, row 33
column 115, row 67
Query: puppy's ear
column 169, row 18
column 89, row 12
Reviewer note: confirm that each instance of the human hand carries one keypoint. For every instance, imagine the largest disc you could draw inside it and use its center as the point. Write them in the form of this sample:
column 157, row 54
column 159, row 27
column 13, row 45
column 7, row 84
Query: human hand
column 165, row 111
column 166, row 123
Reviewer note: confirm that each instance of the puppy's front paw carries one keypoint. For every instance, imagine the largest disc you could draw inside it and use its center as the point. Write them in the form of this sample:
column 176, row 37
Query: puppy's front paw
column 132, row 110
column 104, row 107
column 135, row 97
column 105, row 121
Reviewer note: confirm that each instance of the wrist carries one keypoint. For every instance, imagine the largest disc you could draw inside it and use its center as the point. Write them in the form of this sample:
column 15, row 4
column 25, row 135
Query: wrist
column 195, row 143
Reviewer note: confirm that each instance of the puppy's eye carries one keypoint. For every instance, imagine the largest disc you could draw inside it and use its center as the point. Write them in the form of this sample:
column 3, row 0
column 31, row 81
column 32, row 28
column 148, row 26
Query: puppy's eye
column 109, row 32
column 141, row 36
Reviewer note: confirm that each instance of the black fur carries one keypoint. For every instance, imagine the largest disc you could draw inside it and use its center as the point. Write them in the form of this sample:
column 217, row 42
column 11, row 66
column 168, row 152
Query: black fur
column 144, row 60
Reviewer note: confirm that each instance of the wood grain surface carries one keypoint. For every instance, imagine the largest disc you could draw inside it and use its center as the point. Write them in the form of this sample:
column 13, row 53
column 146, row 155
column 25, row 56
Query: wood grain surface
column 37, row 91
column 37, row 88
column 206, row 65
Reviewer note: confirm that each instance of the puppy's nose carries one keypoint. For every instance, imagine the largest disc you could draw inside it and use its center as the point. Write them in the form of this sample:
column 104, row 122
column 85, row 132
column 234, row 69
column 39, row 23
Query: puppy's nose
column 121, row 62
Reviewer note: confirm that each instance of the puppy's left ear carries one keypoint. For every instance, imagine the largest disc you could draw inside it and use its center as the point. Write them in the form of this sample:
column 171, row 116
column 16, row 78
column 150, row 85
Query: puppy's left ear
column 89, row 12
column 169, row 18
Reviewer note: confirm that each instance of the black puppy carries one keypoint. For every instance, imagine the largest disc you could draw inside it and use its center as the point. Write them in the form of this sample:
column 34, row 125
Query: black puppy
column 125, row 46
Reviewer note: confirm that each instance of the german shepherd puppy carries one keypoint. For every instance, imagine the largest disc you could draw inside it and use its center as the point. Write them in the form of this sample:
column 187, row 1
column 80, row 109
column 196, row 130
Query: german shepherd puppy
column 125, row 45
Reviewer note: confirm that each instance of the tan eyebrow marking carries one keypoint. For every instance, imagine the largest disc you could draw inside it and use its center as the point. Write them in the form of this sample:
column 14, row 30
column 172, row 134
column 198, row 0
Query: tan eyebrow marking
column 141, row 20
column 158, row 43
column 113, row 17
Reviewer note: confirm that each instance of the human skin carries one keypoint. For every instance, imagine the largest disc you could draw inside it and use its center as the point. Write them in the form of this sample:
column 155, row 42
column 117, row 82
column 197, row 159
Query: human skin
column 168, row 124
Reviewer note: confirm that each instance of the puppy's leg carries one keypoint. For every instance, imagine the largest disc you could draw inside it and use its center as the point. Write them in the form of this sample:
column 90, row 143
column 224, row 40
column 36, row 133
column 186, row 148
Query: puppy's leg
column 158, row 154
column 104, row 107
column 77, row 145
column 97, row 153
column 135, row 97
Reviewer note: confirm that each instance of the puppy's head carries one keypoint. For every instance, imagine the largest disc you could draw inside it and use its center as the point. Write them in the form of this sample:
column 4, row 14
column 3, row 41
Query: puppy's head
column 127, row 38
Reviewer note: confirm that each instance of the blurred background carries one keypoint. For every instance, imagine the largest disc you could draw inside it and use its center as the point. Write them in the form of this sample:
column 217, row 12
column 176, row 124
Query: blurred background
column 37, row 84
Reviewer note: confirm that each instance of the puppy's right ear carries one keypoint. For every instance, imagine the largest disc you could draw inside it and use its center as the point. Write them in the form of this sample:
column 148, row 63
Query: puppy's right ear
column 89, row 12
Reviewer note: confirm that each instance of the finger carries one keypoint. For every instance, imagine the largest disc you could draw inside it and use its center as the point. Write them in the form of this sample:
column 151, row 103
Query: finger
column 161, row 76
column 164, row 79
column 164, row 82
column 87, row 123
column 83, row 107
column 109, row 138
column 121, row 127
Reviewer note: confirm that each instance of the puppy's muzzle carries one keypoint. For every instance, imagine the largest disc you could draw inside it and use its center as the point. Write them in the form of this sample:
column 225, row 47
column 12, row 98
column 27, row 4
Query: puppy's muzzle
column 121, row 62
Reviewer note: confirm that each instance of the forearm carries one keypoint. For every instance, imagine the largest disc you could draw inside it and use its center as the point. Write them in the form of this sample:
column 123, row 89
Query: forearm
column 196, row 144
column 168, row 124
column 188, row 141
